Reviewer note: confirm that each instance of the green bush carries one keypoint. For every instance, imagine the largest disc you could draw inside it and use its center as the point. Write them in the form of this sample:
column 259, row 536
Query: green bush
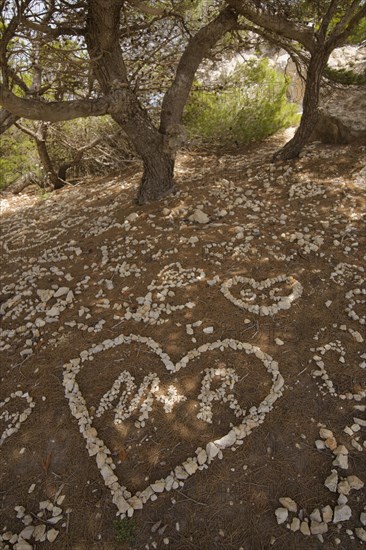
column 250, row 106
column 346, row 76
column 17, row 156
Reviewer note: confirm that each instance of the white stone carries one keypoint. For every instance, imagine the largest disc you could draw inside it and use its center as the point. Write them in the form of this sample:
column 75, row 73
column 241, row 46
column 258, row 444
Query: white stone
column 304, row 528
column 295, row 524
column 315, row 515
column 61, row 291
column 53, row 312
column 325, row 434
column 355, row 482
column 342, row 513
column 318, row 528
column 136, row 503
column 158, row 486
column 327, row 513
column 344, row 487
column 331, row 482
column 52, row 535
column 281, row 515
column 361, row 533
column 22, row 545
column 202, row 457
column 199, row 217
column 39, row 531
column 27, row 532
column 288, row 503
column 226, row 441
column 132, row 217
column 212, row 450
column 45, row 294
column 341, row 461
column 190, row 466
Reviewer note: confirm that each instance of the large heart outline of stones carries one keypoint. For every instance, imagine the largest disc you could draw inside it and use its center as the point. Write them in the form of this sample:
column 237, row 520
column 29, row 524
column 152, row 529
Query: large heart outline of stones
column 126, row 502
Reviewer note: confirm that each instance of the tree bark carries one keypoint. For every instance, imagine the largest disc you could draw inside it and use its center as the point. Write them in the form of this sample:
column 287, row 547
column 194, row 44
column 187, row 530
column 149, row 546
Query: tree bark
column 50, row 174
column 310, row 115
column 52, row 111
column 51, row 178
column 7, row 120
column 280, row 25
column 22, row 182
column 197, row 49
column 102, row 38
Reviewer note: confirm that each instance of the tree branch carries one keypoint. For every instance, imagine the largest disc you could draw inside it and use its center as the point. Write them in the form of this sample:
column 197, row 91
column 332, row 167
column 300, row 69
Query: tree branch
column 28, row 131
column 331, row 11
column 346, row 25
column 53, row 111
column 7, row 120
column 197, row 49
column 274, row 23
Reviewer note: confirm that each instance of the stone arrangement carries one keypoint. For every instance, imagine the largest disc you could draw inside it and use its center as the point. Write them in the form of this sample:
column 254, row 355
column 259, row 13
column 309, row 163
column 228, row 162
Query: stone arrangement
column 124, row 500
column 249, row 296
column 60, row 287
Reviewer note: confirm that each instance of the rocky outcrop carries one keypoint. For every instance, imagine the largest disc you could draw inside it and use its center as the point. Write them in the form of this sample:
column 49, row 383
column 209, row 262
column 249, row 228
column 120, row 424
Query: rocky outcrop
column 342, row 116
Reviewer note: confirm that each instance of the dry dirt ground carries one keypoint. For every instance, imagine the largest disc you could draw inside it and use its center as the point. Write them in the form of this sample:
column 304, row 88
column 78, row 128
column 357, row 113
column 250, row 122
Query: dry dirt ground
column 104, row 407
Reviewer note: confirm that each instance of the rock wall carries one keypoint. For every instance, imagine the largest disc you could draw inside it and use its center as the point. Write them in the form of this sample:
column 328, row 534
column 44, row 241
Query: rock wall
column 343, row 116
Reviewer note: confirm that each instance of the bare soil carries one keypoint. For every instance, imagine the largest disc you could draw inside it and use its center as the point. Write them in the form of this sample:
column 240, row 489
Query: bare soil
column 231, row 504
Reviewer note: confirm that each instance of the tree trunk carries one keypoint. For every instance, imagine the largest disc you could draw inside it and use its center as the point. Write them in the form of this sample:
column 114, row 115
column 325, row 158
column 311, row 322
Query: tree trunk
column 50, row 175
column 7, row 120
column 310, row 115
column 158, row 177
column 102, row 38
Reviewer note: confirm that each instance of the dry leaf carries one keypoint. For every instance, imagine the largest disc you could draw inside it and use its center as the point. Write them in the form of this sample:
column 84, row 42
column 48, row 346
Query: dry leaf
column 121, row 453
column 46, row 463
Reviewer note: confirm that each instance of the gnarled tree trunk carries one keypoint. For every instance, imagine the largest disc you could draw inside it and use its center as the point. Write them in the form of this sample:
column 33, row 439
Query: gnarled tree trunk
column 158, row 177
column 310, row 115
column 102, row 38
column 51, row 176
column 7, row 120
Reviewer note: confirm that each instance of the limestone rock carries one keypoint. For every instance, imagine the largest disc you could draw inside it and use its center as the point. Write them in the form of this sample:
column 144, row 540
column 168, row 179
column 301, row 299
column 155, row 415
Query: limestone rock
column 342, row 119
column 281, row 515
column 52, row 534
column 341, row 461
column 199, row 217
column 304, row 528
column 327, row 514
column 342, row 513
column 361, row 533
column 212, row 450
column 355, row 482
column 288, row 503
column 190, row 466
column 331, row 482
column 318, row 528
column 295, row 525
column 227, row 440
column 315, row 515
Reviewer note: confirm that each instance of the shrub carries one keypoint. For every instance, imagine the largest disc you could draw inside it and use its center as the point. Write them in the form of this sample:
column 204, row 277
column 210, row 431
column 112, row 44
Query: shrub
column 17, row 156
column 250, row 106
column 346, row 76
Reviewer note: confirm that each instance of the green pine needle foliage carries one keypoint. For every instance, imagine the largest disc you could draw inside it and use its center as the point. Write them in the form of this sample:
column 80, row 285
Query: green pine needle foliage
column 17, row 156
column 250, row 106
column 346, row 76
